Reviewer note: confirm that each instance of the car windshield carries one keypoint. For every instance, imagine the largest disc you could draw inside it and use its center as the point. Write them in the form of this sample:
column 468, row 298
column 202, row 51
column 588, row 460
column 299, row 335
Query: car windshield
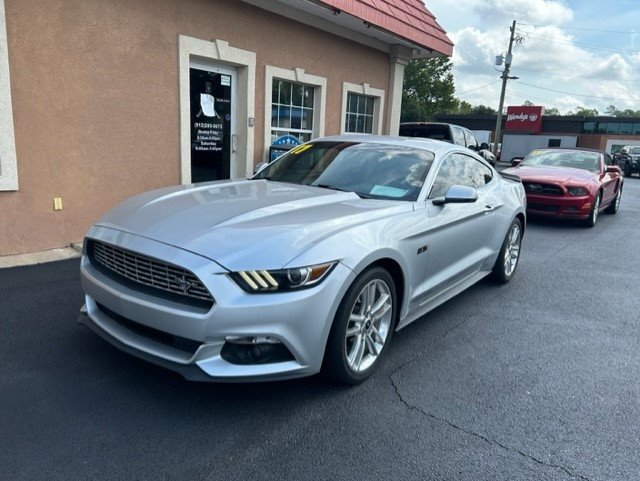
column 563, row 158
column 438, row 132
column 370, row 170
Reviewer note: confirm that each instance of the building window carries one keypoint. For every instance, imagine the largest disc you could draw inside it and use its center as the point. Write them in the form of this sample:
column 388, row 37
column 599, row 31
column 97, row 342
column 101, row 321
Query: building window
column 613, row 127
column 361, row 108
column 588, row 127
column 8, row 160
column 291, row 110
column 359, row 114
column 554, row 142
column 626, row 129
column 296, row 106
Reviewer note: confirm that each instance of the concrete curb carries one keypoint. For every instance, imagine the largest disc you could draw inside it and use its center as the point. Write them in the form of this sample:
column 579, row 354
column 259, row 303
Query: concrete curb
column 70, row 252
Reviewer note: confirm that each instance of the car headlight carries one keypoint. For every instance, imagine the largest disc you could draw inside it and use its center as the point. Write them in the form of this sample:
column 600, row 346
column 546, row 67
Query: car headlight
column 264, row 281
column 578, row 191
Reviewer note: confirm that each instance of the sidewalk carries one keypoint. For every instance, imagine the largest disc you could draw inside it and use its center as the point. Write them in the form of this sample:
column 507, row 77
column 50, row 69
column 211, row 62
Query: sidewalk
column 74, row 250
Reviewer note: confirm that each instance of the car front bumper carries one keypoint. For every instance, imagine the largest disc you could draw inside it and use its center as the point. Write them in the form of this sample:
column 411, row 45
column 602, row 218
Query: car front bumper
column 573, row 207
column 191, row 340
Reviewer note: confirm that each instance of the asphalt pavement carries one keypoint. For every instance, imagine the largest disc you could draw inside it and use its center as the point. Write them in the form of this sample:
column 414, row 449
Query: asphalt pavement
column 535, row 380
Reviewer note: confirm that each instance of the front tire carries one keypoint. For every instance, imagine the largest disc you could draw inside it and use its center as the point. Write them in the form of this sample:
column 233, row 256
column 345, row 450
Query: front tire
column 509, row 255
column 615, row 205
column 595, row 210
column 362, row 328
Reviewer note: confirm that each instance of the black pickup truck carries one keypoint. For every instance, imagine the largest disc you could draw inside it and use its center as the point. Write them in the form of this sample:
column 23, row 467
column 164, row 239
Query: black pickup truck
column 455, row 134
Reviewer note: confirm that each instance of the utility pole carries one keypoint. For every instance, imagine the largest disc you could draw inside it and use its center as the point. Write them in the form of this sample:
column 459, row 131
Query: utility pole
column 505, row 77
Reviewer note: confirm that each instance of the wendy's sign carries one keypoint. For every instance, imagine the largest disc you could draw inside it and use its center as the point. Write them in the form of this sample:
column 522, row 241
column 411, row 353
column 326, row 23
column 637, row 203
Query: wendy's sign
column 524, row 119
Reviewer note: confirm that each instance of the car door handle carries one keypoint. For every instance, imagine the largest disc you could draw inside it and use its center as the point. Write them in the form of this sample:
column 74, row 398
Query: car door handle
column 489, row 208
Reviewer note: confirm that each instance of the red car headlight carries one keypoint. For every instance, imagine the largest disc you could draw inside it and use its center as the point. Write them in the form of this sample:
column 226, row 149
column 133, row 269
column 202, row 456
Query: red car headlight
column 578, row 191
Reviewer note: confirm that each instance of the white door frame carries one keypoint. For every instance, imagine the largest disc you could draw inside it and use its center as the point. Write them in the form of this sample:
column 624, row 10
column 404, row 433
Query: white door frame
column 193, row 52
column 231, row 72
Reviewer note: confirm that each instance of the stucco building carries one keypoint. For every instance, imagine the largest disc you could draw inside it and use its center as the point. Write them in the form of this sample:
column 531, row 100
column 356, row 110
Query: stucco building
column 103, row 99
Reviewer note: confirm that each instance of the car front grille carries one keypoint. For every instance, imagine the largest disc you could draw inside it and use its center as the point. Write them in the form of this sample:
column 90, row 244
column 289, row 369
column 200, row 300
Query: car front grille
column 543, row 207
column 154, row 276
column 183, row 344
column 545, row 189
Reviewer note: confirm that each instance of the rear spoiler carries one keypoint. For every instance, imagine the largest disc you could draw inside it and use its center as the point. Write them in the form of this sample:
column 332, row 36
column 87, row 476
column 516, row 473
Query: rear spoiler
column 513, row 177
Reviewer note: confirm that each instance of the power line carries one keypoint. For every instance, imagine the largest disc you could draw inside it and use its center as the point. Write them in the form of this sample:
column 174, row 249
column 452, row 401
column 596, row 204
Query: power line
column 579, row 44
column 527, row 96
column 577, row 95
column 575, row 76
column 628, row 32
column 478, row 88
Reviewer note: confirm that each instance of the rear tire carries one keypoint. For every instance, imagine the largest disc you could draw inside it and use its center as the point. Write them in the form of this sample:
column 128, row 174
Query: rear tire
column 362, row 328
column 509, row 255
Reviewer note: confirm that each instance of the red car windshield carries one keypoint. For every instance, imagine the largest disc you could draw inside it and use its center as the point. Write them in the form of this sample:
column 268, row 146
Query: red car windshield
column 564, row 158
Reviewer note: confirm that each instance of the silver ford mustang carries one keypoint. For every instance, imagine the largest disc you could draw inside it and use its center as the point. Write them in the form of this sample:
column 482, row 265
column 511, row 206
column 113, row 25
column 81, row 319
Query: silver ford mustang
column 309, row 266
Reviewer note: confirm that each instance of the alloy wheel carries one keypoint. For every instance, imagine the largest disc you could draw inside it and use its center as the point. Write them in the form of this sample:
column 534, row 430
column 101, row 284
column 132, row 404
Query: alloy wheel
column 596, row 208
column 368, row 325
column 512, row 251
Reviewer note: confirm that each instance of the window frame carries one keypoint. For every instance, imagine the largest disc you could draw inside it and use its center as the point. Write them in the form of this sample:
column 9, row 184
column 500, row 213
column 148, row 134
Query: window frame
column 295, row 75
column 8, row 158
column 365, row 89
column 291, row 106
column 465, row 156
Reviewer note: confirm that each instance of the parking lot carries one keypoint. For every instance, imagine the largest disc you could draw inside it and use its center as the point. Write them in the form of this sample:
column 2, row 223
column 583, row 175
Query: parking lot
column 534, row 380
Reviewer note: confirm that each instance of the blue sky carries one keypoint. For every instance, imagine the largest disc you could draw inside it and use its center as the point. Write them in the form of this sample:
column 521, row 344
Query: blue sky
column 572, row 54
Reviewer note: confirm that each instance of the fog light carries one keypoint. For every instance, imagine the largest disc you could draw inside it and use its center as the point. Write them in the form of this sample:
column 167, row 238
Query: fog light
column 246, row 350
column 251, row 340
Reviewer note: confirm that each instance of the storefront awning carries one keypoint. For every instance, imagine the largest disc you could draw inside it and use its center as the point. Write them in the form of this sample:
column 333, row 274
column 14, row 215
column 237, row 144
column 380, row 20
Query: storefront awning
column 407, row 19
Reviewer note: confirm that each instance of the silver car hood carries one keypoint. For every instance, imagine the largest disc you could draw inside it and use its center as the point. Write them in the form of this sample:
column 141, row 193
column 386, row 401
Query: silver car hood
column 246, row 224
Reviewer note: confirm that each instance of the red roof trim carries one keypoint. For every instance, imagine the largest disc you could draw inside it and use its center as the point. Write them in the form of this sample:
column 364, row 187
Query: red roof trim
column 408, row 19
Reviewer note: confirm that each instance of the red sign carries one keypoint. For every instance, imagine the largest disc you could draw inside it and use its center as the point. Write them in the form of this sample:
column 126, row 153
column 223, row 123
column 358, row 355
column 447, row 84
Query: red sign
column 524, row 119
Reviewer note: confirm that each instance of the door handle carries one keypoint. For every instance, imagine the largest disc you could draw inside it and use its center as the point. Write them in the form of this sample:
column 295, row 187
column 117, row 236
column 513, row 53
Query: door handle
column 489, row 208
column 234, row 143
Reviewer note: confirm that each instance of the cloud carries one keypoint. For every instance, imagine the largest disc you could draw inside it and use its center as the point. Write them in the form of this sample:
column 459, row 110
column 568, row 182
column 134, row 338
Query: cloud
column 566, row 63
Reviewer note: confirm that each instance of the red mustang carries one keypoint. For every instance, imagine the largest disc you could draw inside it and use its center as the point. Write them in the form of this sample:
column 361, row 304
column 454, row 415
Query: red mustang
column 570, row 183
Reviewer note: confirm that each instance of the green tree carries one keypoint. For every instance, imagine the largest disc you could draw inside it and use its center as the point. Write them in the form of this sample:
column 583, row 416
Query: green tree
column 483, row 110
column 428, row 89
column 551, row 111
column 583, row 112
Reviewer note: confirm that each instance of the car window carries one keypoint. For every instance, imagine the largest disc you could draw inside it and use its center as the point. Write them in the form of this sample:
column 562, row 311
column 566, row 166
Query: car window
column 578, row 159
column 460, row 169
column 433, row 131
column 458, row 135
column 371, row 170
column 470, row 139
column 608, row 160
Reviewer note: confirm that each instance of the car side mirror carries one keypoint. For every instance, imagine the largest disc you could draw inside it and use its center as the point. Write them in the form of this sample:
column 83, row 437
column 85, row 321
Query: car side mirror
column 457, row 194
column 484, row 146
column 613, row 169
column 516, row 161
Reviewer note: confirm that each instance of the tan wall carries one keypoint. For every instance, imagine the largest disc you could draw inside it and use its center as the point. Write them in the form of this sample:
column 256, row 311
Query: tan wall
column 94, row 86
column 599, row 141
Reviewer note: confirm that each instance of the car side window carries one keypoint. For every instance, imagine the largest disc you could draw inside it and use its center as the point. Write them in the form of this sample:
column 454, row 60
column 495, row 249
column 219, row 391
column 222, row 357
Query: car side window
column 460, row 169
column 470, row 139
column 608, row 160
column 458, row 135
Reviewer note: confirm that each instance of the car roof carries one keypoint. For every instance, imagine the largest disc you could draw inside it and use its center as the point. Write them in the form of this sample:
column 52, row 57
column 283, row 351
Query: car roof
column 570, row 149
column 426, row 123
column 438, row 147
